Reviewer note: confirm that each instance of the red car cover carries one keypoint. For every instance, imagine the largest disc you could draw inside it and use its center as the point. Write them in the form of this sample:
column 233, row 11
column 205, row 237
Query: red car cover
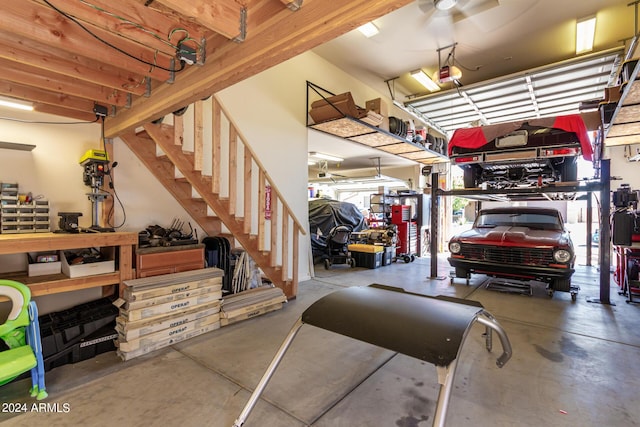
column 478, row 136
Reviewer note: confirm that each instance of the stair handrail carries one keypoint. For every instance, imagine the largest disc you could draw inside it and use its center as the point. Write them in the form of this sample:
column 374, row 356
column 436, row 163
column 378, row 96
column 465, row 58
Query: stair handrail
column 274, row 188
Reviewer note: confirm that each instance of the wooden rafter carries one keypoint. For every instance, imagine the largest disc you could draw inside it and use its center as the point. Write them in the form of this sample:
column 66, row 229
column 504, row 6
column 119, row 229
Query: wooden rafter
column 221, row 16
column 27, row 75
column 49, row 59
column 276, row 35
column 42, row 96
column 32, row 54
column 37, row 22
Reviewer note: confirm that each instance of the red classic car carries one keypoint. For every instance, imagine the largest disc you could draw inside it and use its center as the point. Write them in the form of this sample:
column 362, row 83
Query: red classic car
column 521, row 243
column 521, row 153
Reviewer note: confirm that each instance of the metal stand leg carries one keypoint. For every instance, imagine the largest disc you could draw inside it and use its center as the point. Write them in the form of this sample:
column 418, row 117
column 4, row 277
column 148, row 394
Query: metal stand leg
column 490, row 322
column 445, row 379
column 267, row 375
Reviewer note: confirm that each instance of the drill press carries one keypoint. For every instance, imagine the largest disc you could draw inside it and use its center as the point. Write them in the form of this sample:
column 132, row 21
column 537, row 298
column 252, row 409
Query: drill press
column 96, row 166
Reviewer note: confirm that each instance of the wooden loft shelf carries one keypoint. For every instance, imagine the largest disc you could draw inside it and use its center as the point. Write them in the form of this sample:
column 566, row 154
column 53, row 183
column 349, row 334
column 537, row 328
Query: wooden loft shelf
column 339, row 116
column 625, row 122
column 356, row 130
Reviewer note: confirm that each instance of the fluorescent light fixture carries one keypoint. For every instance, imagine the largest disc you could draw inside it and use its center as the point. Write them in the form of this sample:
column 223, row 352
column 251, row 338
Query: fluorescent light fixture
column 325, row 157
column 369, row 29
column 16, row 103
column 585, row 33
column 425, row 80
column 445, row 4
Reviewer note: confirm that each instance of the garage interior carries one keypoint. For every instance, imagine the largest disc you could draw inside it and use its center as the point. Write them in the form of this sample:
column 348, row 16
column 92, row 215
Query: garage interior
column 200, row 125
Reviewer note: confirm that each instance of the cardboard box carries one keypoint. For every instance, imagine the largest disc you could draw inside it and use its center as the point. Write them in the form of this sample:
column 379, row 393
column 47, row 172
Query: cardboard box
column 87, row 269
column 43, row 268
column 377, row 105
column 335, row 107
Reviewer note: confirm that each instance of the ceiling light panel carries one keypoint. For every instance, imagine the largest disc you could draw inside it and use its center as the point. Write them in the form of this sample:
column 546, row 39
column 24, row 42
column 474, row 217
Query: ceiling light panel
column 16, row 103
column 325, row 157
column 369, row 29
column 422, row 78
column 585, row 33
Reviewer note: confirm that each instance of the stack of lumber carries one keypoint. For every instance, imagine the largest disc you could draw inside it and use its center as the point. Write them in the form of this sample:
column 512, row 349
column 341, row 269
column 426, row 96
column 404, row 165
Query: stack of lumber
column 251, row 303
column 159, row 311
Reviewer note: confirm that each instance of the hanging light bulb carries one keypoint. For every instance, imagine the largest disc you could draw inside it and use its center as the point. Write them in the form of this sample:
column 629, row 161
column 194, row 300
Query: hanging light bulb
column 445, row 4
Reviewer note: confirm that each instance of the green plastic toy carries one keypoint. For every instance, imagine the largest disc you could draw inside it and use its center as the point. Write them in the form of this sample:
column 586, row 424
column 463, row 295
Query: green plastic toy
column 21, row 333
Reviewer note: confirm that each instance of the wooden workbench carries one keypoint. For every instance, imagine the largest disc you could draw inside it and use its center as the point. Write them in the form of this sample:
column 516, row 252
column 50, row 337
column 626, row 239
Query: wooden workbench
column 57, row 283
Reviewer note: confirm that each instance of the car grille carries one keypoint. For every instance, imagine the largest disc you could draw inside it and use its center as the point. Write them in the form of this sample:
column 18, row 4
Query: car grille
column 508, row 255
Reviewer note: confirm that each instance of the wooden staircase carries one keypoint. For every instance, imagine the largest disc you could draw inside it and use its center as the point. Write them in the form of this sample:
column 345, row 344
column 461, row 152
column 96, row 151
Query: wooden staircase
column 236, row 193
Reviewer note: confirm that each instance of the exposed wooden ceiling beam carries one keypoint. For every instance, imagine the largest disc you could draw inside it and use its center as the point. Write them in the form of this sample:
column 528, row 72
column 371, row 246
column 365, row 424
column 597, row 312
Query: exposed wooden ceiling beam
column 292, row 4
column 48, row 80
column 221, row 16
column 87, row 14
column 281, row 36
column 27, row 52
column 172, row 28
column 42, row 96
column 63, row 112
column 35, row 21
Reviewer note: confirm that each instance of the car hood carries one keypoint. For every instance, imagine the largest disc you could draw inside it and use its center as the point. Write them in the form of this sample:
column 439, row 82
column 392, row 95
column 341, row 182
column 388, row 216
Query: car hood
column 515, row 236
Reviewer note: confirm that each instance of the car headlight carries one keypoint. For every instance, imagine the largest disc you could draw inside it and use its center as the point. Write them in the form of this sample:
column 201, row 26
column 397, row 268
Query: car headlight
column 562, row 255
column 454, row 247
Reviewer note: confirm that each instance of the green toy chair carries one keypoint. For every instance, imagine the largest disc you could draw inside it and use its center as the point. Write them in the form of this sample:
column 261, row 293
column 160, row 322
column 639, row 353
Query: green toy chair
column 21, row 333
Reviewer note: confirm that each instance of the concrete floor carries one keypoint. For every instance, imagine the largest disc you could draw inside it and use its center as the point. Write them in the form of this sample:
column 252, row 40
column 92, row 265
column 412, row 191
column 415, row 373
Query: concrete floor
column 574, row 364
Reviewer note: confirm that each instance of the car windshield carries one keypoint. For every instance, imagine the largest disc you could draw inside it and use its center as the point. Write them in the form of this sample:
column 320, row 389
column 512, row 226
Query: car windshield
column 538, row 221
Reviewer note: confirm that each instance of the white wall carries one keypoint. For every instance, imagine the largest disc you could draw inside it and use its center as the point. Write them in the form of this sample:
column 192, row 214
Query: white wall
column 51, row 170
column 270, row 110
column 629, row 172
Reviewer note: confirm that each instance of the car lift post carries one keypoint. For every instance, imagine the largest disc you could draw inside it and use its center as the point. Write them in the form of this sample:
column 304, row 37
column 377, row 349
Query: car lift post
column 605, row 230
column 435, row 205
column 589, row 229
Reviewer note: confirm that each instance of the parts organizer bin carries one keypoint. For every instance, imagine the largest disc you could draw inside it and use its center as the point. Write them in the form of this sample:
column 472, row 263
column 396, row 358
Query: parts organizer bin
column 16, row 217
column 87, row 269
column 42, row 268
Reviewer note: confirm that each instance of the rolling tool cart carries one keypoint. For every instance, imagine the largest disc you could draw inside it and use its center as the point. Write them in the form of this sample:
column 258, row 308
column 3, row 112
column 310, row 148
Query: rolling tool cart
column 407, row 232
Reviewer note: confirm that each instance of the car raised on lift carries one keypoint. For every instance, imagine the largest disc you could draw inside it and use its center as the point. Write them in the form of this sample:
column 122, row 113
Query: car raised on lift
column 518, row 243
column 528, row 153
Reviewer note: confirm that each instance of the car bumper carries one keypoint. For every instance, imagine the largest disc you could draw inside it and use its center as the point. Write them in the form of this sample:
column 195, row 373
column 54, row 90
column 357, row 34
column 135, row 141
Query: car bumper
column 521, row 272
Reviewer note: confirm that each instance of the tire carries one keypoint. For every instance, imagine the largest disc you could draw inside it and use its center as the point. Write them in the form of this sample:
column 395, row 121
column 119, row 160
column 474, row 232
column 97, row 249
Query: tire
column 352, row 262
column 561, row 285
column 406, row 259
column 461, row 273
column 569, row 170
column 470, row 176
column 327, row 264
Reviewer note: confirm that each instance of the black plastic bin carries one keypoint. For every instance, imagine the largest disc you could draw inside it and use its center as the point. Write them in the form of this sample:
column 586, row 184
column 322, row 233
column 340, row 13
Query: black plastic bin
column 64, row 334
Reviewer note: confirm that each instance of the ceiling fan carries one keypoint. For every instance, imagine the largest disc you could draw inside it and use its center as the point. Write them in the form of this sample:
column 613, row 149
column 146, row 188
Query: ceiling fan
column 457, row 10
